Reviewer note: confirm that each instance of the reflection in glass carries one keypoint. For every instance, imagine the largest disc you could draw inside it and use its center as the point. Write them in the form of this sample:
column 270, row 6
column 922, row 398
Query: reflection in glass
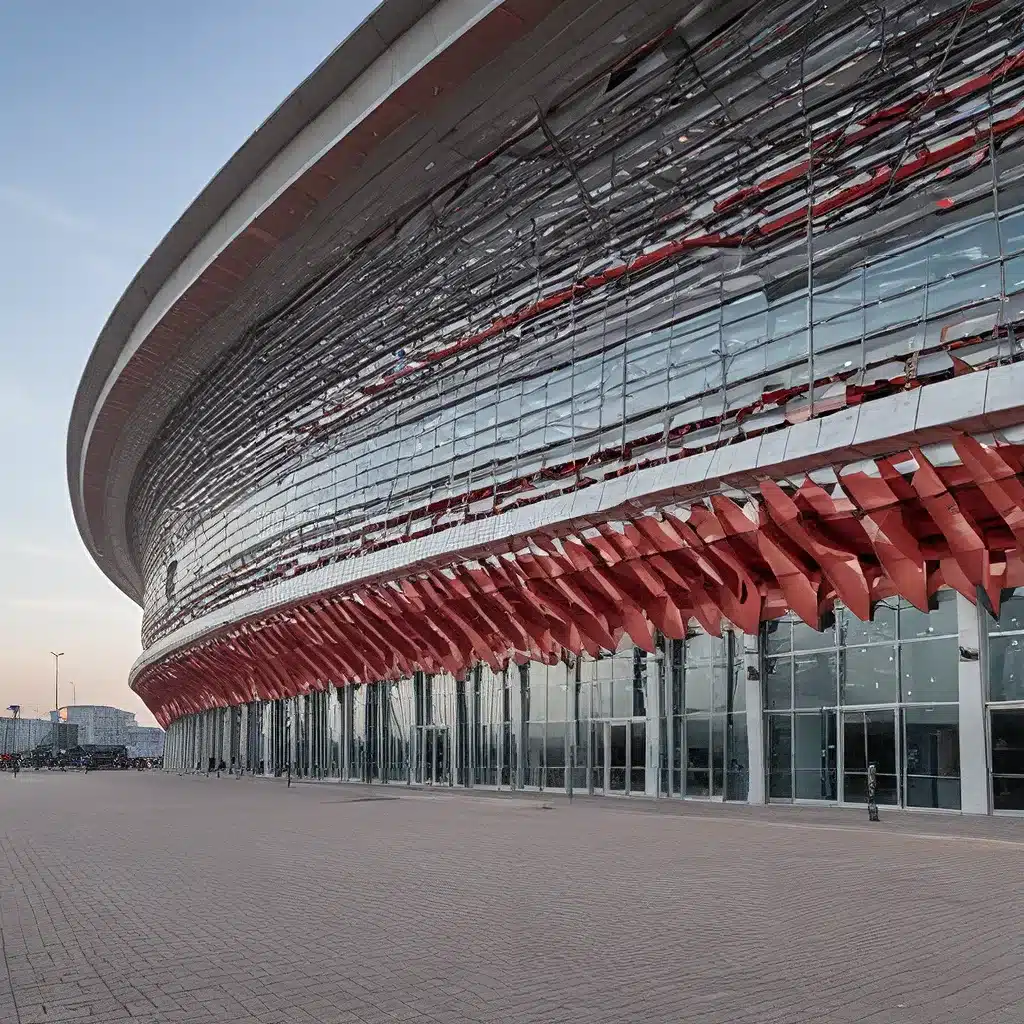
column 617, row 757
column 638, row 757
column 698, row 756
column 622, row 685
column 915, row 624
column 780, row 757
column 555, row 756
column 738, row 683
column 932, row 756
column 869, row 675
column 698, row 688
column 778, row 683
column 1007, row 731
column 807, row 639
column 881, row 628
column 869, row 737
column 598, row 756
column 778, row 637
column 1006, row 667
column 737, row 779
column 931, row 670
column 814, row 679
column 718, row 754
column 814, row 756
column 1011, row 616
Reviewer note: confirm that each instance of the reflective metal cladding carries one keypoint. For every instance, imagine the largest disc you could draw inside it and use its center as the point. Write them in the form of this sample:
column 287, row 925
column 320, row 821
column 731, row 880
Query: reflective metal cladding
column 712, row 334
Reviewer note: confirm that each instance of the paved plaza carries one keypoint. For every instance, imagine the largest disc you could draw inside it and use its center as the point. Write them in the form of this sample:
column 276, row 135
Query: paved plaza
column 150, row 897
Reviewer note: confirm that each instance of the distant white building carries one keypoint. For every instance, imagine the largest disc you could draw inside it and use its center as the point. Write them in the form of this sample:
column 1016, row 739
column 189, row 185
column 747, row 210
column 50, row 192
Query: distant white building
column 113, row 727
column 25, row 734
column 146, row 741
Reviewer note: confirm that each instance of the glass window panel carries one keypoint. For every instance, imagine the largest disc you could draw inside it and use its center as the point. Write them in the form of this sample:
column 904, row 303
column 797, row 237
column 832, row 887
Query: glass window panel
column 953, row 253
column 778, row 684
column 814, row 679
column 555, row 749
column 780, row 754
column 932, row 751
column 537, row 692
column 703, row 648
column 653, row 360
column 678, row 650
column 900, row 309
column 1006, row 667
column 787, row 318
column 698, row 688
column 778, row 637
column 1011, row 228
column 738, row 680
column 881, row 628
column 744, row 307
column 618, row 754
column 895, row 275
column 650, row 398
column 845, row 296
column 622, row 686
column 869, row 737
column 915, row 623
column 1007, row 731
column 931, row 670
column 737, row 779
column 720, row 687
column 869, row 675
column 1014, row 271
column 533, row 769
column 718, row 754
column 639, row 709
column 1011, row 616
column 814, row 756
column 698, row 756
column 605, row 672
column 638, row 757
column 956, row 292
column 807, row 639
column 556, row 693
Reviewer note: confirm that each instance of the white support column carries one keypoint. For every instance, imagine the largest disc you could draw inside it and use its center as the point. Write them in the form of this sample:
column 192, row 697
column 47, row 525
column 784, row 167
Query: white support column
column 973, row 734
column 655, row 685
column 755, row 717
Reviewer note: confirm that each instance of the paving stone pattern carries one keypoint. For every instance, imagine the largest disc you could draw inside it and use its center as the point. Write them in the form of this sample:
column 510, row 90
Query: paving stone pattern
column 131, row 897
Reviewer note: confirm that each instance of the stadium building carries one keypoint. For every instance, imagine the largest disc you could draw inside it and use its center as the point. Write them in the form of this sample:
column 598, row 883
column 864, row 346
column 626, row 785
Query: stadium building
column 608, row 394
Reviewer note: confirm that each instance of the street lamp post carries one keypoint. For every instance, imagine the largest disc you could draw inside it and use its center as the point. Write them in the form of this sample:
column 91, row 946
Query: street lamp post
column 56, row 699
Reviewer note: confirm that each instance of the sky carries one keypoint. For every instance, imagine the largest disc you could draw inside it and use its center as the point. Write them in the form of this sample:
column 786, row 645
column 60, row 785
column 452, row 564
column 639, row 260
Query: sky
column 113, row 116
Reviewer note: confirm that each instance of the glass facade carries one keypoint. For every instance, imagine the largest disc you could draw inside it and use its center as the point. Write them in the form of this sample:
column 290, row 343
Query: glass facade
column 884, row 692
column 1005, row 675
column 674, row 723
column 375, row 415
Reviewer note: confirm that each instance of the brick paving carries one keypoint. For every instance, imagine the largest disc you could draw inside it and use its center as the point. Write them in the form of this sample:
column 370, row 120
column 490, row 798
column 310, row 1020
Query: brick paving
column 128, row 897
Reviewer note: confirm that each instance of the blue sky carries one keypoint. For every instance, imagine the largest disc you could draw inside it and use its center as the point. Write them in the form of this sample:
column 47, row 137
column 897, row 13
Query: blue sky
column 114, row 114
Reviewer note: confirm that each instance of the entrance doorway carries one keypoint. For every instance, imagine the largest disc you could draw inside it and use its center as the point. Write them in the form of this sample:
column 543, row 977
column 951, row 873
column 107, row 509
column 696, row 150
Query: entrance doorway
column 618, row 756
column 871, row 737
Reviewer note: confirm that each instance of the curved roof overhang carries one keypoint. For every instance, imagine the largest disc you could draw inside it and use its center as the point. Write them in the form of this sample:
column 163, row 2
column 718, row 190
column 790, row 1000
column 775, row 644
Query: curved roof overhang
column 392, row 70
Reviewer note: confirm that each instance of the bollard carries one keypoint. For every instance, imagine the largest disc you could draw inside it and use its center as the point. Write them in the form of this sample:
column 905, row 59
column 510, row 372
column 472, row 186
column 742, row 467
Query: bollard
column 872, row 790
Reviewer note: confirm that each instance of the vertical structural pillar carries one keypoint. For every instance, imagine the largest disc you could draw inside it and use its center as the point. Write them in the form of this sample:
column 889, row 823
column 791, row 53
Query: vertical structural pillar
column 655, row 686
column 973, row 742
column 755, row 717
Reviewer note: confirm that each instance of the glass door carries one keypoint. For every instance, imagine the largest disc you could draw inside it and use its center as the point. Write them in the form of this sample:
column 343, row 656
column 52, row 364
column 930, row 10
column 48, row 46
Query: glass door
column 434, row 760
column 871, row 737
column 618, row 756
column 617, row 748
